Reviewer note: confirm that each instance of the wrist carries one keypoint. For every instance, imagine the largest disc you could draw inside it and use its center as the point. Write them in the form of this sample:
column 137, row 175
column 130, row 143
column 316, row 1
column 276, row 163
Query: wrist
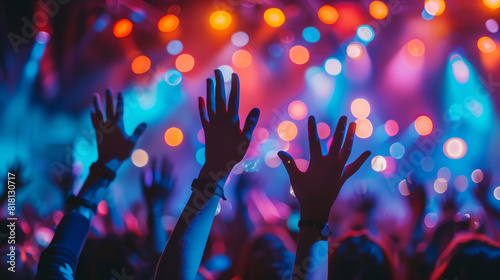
column 315, row 216
column 209, row 175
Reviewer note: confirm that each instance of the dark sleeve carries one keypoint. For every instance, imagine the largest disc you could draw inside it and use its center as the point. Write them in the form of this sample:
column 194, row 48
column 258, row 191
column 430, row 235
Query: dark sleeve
column 58, row 260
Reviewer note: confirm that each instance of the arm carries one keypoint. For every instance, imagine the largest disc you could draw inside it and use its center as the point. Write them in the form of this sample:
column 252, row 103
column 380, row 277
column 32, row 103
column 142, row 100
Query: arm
column 59, row 260
column 225, row 146
column 317, row 189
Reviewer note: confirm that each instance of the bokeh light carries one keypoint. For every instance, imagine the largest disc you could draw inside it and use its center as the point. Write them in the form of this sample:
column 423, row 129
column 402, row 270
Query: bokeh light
column 403, row 188
column 461, row 183
column 173, row 77
column 200, row 156
column 486, row 45
column 477, row 176
column 168, row 23
column 416, row 47
column 496, row 193
column 364, row 128
column 365, row 33
column 491, row 25
column 492, row 4
column 323, row 130
column 333, row 66
column 139, row 157
column 455, row 148
column 175, row 47
column 302, row 164
column 297, row 110
column 435, row 7
column 275, row 50
column 141, row 64
column 201, row 136
column 260, row 135
column 391, row 127
column 102, row 208
column 423, row 125
column 460, row 71
column 397, row 150
column 173, row 136
column 431, row 220
column 299, row 54
column 286, row 36
column 287, row 130
column 227, row 72
column 444, row 173
column 360, row 108
column 241, row 58
column 378, row 9
column 440, row 185
column 272, row 160
column 220, row 20
column 328, row 14
column 122, row 28
column 355, row 50
column 311, row 34
column 184, row 62
column 427, row 164
column 240, row 39
column 379, row 163
column 391, row 167
column 274, row 17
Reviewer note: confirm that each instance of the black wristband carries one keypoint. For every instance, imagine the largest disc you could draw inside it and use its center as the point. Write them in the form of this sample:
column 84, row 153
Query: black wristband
column 208, row 186
column 74, row 202
column 323, row 228
column 103, row 169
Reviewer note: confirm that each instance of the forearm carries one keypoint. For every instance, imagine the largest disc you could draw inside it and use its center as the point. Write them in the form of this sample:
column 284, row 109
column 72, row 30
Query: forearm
column 157, row 235
column 312, row 251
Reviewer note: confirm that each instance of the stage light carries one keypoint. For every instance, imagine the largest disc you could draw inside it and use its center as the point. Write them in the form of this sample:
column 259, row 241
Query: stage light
column 241, row 58
column 431, row 220
column 477, row 176
column 444, row 173
column 360, row 108
column 122, row 28
column 299, row 54
column 173, row 136
column 274, row 17
column 403, row 188
column 496, row 193
column 378, row 9
column 200, row 156
column 323, row 130
column 354, row 50
column 220, row 20
column 434, row 7
column 141, row 64
column 311, row 34
column 491, row 25
column 333, row 66
column 272, row 160
column 397, row 150
column 379, row 163
column 440, row 185
column 184, row 63
column 486, row 45
column 168, row 23
column 297, row 110
column 461, row 183
column 287, row 130
column 260, row 135
column 328, row 14
column 416, row 47
column 423, row 125
column 173, row 77
column 140, row 158
column 239, row 39
column 391, row 127
column 427, row 164
column 365, row 33
column 175, row 47
column 364, row 128
column 492, row 4
column 455, row 148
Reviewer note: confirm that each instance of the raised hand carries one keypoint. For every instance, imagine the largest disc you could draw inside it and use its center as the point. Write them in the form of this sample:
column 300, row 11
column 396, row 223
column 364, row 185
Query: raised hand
column 318, row 187
column 225, row 143
column 448, row 203
column 112, row 141
column 158, row 188
column 364, row 202
column 417, row 197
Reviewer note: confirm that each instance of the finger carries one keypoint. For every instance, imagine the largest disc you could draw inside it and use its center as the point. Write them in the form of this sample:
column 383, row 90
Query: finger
column 210, row 99
column 220, row 93
column 345, row 152
column 234, row 97
column 94, row 120
column 338, row 137
column 314, row 144
column 154, row 173
column 143, row 179
column 138, row 132
column 203, row 112
column 289, row 163
column 351, row 168
column 109, row 105
column 165, row 166
column 250, row 123
column 119, row 111
column 97, row 107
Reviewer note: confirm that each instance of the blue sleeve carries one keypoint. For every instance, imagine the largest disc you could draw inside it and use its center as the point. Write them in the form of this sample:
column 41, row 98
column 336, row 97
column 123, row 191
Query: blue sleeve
column 59, row 259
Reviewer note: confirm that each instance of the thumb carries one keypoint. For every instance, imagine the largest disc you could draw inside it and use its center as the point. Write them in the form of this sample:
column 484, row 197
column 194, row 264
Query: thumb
column 138, row 132
column 289, row 163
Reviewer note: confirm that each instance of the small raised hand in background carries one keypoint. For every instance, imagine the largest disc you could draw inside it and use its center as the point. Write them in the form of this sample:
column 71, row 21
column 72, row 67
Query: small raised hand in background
column 449, row 202
column 417, row 197
column 18, row 180
column 157, row 185
column 364, row 202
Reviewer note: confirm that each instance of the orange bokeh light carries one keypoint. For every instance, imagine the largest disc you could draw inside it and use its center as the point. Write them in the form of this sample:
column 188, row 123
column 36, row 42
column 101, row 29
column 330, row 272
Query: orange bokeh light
column 122, row 28
column 435, row 7
column 220, row 20
column 364, row 128
column 242, row 58
column 184, row 62
column 173, row 136
column 168, row 23
column 287, row 130
column 378, row 9
column 423, row 125
column 416, row 47
column 297, row 110
column 492, row 4
column 299, row 54
column 274, row 17
column 360, row 108
column 141, row 64
column 328, row 14
column 486, row 45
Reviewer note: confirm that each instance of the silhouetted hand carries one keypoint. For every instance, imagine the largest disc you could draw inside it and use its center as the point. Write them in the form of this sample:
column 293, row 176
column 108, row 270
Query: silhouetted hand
column 483, row 188
column 417, row 197
column 112, row 141
column 158, row 188
column 364, row 202
column 448, row 202
column 17, row 168
column 318, row 187
column 225, row 143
